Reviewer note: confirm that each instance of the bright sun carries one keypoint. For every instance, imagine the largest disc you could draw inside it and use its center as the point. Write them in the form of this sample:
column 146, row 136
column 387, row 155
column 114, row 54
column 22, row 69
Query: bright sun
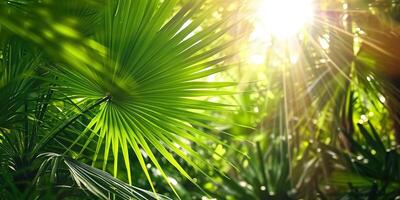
column 284, row 18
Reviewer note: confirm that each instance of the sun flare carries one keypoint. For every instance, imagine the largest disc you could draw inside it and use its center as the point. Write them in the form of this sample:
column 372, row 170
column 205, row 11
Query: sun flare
column 284, row 18
column 277, row 23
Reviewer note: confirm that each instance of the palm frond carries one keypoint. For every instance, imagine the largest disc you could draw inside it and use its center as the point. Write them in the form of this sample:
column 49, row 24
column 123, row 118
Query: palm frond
column 16, row 69
column 95, row 181
column 152, row 80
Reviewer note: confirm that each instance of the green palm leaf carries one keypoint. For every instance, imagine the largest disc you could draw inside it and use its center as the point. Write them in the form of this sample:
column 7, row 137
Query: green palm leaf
column 97, row 182
column 16, row 68
column 152, row 80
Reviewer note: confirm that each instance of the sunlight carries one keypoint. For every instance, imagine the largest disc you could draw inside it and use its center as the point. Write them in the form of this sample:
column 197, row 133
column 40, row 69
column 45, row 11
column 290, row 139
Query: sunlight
column 278, row 25
column 284, row 18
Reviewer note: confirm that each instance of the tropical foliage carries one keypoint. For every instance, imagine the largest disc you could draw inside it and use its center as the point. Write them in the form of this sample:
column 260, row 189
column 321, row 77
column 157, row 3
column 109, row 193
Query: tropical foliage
column 187, row 99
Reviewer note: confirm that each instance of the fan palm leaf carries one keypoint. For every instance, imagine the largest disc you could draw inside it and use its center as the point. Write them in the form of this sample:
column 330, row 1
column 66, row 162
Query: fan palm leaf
column 150, row 88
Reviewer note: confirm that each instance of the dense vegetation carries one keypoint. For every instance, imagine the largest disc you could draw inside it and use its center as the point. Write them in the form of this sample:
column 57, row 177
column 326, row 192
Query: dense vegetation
column 190, row 99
